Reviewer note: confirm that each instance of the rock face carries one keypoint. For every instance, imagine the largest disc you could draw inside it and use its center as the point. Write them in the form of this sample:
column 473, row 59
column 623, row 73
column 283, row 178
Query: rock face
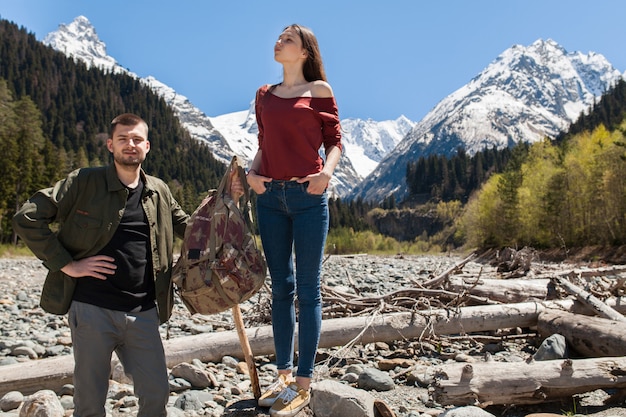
column 405, row 225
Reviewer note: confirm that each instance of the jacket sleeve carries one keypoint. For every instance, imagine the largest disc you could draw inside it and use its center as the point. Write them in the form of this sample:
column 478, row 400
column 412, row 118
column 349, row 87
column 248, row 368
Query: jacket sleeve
column 32, row 224
column 179, row 219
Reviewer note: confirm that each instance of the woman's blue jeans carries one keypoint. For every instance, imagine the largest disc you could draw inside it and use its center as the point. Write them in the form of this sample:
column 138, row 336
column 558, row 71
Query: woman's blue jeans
column 292, row 220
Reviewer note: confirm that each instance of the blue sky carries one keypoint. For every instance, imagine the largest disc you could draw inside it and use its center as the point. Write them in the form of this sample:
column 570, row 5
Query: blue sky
column 383, row 58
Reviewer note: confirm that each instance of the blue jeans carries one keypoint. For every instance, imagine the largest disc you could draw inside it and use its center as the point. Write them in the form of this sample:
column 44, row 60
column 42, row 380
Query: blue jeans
column 290, row 219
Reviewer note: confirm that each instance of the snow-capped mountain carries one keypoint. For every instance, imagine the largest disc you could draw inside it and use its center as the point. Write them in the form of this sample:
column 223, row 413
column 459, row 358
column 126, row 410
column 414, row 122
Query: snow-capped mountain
column 366, row 142
column 80, row 41
column 235, row 133
column 526, row 94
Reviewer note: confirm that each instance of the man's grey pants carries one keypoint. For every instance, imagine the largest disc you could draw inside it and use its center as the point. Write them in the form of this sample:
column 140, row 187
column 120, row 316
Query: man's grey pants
column 98, row 332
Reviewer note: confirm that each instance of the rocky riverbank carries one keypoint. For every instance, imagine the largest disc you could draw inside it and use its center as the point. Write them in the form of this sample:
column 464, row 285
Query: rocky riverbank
column 382, row 370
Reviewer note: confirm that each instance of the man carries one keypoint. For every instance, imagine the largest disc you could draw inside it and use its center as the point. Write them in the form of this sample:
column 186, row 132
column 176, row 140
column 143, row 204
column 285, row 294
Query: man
column 110, row 263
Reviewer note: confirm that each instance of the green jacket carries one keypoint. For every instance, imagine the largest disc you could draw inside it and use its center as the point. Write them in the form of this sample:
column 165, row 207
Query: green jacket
column 88, row 206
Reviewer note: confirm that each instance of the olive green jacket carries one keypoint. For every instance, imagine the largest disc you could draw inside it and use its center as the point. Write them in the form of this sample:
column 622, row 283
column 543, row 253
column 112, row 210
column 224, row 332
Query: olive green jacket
column 88, row 206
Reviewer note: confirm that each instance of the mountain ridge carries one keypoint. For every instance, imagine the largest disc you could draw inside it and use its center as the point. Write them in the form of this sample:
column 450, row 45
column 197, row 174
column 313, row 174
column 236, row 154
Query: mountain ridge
column 525, row 94
column 233, row 133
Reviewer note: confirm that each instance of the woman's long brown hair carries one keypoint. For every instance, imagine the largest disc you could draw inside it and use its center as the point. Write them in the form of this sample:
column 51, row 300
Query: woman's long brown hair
column 313, row 68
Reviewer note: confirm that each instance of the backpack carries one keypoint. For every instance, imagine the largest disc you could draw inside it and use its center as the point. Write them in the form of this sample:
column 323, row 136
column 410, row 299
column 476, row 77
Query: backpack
column 220, row 264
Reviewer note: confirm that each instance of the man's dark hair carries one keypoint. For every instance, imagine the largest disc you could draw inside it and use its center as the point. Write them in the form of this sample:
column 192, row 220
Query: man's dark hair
column 126, row 119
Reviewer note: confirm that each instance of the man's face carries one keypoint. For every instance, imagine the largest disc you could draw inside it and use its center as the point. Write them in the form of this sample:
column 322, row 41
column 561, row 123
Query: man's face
column 129, row 145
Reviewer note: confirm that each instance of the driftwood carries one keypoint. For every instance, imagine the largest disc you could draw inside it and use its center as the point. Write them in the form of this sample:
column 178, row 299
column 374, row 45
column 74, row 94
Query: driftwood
column 28, row 377
column 588, row 336
column 588, row 299
column 445, row 274
column 585, row 272
column 409, row 314
column 491, row 383
column 403, row 299
column 504, row 291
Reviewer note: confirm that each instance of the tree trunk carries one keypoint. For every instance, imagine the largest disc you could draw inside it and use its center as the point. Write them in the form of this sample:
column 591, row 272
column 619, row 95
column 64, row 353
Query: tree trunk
column 588, row 336
column 32, row 376
column 491, row 383
column 502, row 290
column 590, row 300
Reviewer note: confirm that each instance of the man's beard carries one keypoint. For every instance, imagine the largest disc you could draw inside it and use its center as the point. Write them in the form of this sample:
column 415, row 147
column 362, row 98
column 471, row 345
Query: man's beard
column 129, row 161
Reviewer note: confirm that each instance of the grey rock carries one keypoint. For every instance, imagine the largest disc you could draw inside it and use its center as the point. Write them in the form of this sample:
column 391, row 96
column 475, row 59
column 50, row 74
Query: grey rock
column 334, row 399
column 55, row 350
column 355, row 369
column 197, row 377
column 8, row 361
column 189, row 401
column 24, row 351
column 175, row 412
column 230, row 362
column 469, row 411
column 553, row 347
column 374, row 379
column 11, row 400
column 118, row 391
column 67, row 402
column 179, row 385
column 350, row 378
column 43, row 403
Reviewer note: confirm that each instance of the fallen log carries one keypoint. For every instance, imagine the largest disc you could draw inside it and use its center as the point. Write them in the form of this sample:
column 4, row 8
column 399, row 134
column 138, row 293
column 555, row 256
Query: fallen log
column 496, row 383
column 502, row 290
column 588, row 336
column 586, row 272
column 445, row 274
column 590, row 300
column 28, row 377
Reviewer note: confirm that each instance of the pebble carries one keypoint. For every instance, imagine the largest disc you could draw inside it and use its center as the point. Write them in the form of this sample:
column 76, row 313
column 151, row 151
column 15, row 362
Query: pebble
column 396, row 372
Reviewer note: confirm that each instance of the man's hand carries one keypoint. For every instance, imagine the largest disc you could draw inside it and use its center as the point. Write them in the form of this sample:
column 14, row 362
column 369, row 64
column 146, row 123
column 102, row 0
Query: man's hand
column 236, row 187
column 98, row 266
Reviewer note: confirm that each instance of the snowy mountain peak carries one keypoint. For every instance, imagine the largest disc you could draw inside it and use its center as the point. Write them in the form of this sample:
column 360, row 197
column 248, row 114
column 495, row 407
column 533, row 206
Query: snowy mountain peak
column 366, row 142
column 527, row 93
column 80, row 41
column 228, row 134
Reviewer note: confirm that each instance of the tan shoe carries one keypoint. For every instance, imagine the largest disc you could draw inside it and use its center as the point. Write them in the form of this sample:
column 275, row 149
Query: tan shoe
column 290, row 401
column 270, row 394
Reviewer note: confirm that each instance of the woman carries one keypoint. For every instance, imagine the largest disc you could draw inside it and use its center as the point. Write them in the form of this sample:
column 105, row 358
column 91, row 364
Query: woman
column 295, row 119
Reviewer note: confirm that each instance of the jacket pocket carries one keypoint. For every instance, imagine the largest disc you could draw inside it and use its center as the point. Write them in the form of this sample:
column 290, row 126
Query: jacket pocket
column 80, row 233
column 83, row 221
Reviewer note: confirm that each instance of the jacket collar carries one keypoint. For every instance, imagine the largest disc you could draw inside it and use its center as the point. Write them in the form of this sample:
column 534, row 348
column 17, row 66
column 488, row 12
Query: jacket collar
column 114, row 184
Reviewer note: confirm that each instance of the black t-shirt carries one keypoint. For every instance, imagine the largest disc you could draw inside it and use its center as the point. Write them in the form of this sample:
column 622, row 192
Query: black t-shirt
column 132, row 285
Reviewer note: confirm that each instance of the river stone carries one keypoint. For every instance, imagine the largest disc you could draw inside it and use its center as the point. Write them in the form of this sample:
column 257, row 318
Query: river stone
column 374, row 379
column 44, row 403
column 334, row 399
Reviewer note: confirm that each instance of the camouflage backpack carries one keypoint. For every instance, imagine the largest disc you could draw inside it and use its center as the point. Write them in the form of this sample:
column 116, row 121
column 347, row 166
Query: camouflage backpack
column 220, row 264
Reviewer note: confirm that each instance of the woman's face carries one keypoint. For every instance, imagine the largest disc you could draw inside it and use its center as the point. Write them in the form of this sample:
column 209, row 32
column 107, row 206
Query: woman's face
column 288, row 47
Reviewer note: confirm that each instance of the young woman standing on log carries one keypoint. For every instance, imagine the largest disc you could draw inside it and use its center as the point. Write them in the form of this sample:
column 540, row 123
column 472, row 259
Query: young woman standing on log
column 295, row 119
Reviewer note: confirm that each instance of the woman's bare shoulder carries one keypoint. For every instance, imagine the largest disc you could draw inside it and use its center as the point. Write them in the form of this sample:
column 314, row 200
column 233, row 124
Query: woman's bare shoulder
column 321, row 89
